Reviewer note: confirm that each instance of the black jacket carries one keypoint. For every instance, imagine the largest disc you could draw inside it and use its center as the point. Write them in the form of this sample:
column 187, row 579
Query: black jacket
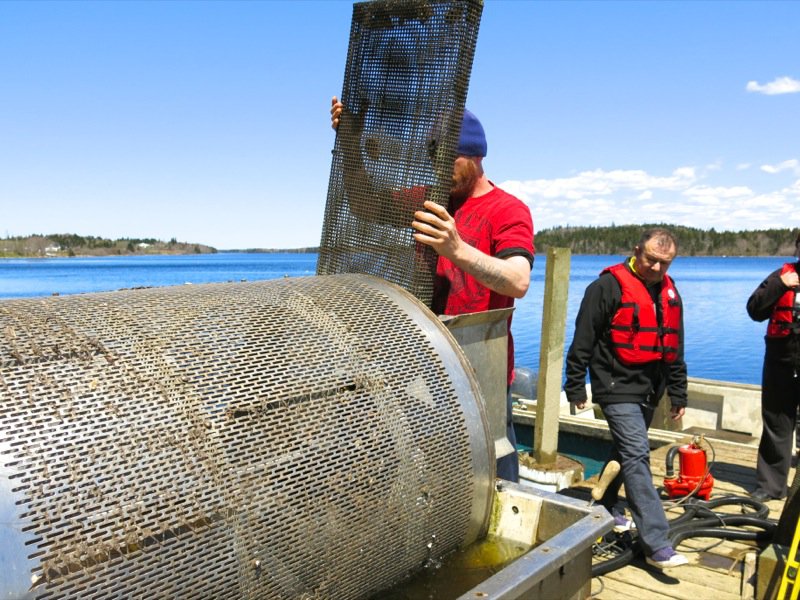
column 611, row 380
column 785, row 350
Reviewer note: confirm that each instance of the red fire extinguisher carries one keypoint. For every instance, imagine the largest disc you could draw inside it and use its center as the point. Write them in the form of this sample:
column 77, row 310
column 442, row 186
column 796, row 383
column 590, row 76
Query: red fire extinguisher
column 694, row 475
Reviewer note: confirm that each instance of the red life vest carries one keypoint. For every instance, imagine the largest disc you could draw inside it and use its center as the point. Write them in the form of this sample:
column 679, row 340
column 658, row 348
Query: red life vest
column 780, row 323
column 636, row 335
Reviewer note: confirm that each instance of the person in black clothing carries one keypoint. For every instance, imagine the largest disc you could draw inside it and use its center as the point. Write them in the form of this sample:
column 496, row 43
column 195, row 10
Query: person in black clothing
column 629, row 334
column 778, row 300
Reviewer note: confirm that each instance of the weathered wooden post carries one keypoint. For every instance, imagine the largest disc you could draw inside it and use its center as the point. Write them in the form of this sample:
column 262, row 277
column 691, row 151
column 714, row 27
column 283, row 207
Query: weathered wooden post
column 544, row 467
column 551, row 356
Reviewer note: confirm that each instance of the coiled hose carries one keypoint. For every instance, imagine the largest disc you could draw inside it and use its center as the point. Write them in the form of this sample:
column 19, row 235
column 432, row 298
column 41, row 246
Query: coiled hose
column 700, row 520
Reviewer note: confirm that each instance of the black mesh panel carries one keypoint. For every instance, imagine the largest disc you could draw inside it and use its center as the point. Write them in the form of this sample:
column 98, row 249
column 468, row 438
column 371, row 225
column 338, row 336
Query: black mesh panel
column 405, row 85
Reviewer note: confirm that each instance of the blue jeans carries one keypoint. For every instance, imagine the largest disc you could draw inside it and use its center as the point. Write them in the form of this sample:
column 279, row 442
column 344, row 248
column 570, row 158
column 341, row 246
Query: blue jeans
column 628, row 423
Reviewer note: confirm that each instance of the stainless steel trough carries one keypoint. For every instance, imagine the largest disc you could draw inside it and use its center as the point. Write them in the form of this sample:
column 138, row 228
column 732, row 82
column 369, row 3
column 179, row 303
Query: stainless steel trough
column 560, row 531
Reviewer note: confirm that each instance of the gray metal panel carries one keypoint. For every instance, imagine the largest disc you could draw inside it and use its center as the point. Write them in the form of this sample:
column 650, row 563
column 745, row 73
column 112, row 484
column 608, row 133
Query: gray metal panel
column 293, row 438
column 483, row 337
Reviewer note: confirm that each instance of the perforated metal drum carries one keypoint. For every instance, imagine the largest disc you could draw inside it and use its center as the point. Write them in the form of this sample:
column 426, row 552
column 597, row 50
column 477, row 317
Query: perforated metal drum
column 300, row 438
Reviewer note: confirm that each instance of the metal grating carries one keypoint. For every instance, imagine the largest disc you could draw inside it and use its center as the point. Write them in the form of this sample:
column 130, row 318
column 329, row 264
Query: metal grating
column 405, row 85
column 301, row 438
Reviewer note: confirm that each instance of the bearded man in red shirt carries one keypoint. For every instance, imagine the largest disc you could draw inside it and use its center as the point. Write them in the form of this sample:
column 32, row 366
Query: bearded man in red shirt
column 484, row 242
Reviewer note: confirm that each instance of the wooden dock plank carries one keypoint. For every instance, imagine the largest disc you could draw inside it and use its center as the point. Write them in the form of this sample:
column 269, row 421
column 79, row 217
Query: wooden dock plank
column 683, row 583
column 606, row 588
column 730, row 550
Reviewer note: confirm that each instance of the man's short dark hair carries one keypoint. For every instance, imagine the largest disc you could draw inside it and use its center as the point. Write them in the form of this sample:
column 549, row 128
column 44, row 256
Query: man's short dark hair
column 664, row 238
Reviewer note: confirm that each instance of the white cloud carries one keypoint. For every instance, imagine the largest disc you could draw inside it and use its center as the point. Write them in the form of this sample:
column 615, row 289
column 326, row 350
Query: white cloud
column 792, row 164
column 793, row 191
column 780, row 85
column 743, row 166
column 604, row 183
column 704, row 191
column 685, row 172
column 600, row 198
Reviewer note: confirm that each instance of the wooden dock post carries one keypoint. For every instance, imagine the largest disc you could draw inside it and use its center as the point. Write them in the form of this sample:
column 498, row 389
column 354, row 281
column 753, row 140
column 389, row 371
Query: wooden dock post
column 551, row 355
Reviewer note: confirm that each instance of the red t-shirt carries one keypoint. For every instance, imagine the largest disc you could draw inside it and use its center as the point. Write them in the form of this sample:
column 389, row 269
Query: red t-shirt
column 497, row 224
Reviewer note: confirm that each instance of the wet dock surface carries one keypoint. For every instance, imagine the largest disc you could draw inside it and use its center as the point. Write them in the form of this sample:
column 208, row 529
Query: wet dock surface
column 718, row 569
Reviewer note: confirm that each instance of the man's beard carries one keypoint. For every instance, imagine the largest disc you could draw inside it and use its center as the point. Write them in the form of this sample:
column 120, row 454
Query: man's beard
column 465, row 177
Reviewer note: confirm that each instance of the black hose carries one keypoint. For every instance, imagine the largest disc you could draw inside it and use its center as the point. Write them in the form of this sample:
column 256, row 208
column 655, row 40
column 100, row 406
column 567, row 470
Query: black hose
column 619, row 561
column 676, row 535
column 699, row 520
column 719, row 532
column 762, row 510
column 670, row 462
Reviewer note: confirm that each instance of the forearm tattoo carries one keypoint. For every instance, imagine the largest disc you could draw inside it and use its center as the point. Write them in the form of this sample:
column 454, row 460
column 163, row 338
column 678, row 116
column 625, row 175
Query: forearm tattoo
column 487, row 272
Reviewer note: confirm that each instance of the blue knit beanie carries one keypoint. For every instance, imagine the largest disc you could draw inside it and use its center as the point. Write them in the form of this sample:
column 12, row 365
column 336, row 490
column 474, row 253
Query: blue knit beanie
column 472, row 141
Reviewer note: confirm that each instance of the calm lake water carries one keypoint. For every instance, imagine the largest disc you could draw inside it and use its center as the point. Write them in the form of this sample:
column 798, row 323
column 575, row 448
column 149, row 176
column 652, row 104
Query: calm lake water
column 721, row 340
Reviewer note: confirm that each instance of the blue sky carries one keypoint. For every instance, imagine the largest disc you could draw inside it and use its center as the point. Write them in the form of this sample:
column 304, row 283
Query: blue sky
column 208, row 121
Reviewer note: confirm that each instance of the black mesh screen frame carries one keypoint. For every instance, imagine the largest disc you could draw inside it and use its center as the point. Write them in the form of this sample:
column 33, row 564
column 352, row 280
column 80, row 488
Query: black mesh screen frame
column 405, row 85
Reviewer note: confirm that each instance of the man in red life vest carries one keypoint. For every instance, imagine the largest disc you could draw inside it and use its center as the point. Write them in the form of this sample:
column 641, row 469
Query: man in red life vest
column 484, row 238
column 778, row 300
column 629, row 335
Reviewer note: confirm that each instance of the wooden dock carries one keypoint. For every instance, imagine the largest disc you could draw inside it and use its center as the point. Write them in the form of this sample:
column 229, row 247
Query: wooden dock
column 717, row 569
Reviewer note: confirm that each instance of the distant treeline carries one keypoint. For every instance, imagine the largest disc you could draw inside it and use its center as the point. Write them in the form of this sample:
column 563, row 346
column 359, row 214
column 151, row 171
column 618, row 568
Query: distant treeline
column 70, row 244
column 306, row 250
column 620, row 239
column 614, row 239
